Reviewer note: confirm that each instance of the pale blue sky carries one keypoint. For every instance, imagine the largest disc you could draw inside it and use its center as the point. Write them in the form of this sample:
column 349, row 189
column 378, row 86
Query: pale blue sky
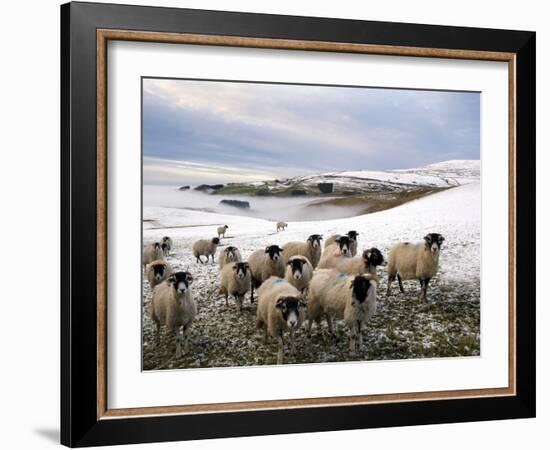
column 206, row 132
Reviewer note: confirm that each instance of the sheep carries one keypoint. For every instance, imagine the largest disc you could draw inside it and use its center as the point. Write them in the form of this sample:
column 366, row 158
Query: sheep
column 228, row 255
column 352, row 235
column 298, row 273
column 415, row 261
column 222, row 230
column 334, row 295
column 366, row 263
column 166, row 245
column 205, row 247
column 152, row 252
column 341, row 247
column 157, row 272
column 235, row 281
column 311, row 249
column 280, row 309
column 173, row 306
column 281, row 226
column 263, row 264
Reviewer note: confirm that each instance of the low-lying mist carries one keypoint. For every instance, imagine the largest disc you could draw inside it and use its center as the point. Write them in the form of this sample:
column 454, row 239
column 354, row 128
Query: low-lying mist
column 270, row 208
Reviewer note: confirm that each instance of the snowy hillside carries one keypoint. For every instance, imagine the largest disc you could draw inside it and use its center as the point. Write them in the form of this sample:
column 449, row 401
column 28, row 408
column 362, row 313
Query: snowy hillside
column 403, row 328
column 439, row 175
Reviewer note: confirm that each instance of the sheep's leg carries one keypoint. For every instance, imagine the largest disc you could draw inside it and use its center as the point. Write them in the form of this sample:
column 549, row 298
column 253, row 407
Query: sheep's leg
column 424, row 289
column 265, row 333
column 281, row 348
column 292, row 341
column 391, row 278
column 185, row 338
column 157, row 334
column 359, row 323
column 199, row 260
column 329, row 324
column 252, row 291
column 226, row 299
column 178, row 342
column 400, row 284
column 239, row 301
column 352, row 333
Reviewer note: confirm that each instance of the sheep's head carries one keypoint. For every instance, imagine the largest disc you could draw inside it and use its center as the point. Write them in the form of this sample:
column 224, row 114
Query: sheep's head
column 274, row 252
column 360, row 286
column 296, row 265
column 231, row 253
column 352, row 234
column 373, row 257
column 344, row 244
column 165, row 248
column 226, row 227
column 180, row 281
column 433, row 242
column 157, row 246
column 290, row 310
column 165, row 239
column 159, row 270
column 215, row 240
column 241, row 269
column 315, row 240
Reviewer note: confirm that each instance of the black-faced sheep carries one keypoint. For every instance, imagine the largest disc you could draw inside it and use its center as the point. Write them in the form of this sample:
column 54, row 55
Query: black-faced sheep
column 166, row 245
column 265, row 263
column 157, row 272
column 366, row 263
column 340, row 248
column 174, row 307
column 352, row 235
column 334, row 295
column 281, row 226
column 280, row 309
column 206, row 247
column 222, row 230
column 235, row 281
column 298, row 273
column 152, row 252
column 228, row 255
column 311, row 249
column 415, row 261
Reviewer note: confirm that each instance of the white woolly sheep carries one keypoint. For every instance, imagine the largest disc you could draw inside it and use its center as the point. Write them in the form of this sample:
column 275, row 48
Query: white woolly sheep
column 152, row 252
column 157, row 272
column 166, row 245
column 265, row 263
column 415, row 261
column 222, row 230
column 235, row 281
column 281, row 226
column 228, row 255
column 334, row 295
column 340, row 247
column 206, row 247
column 352, row 235
column 174, row 307
column 366, row 263
column 311, row 249
column 299, row 272
column 280, row 309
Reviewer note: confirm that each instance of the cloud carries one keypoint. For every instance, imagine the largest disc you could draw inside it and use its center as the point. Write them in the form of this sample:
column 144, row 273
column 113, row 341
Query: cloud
column 284, row 130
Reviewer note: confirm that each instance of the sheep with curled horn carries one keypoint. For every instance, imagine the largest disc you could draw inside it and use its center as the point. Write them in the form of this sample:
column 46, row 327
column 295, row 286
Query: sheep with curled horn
column 352, row 235
column 311, row 249
column 420, row 262
column 228, row 255
column 174, row 307
column 265, row 263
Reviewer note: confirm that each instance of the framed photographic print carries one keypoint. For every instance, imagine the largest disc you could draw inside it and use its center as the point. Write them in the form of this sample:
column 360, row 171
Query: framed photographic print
column 277, row 224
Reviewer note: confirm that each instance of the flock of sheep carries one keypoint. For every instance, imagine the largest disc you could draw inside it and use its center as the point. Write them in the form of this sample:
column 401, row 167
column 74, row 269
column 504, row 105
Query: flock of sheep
column 295, row 283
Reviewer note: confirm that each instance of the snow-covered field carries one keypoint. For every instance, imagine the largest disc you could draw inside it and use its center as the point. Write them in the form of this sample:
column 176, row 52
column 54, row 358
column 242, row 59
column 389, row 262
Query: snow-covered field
column 448, row 325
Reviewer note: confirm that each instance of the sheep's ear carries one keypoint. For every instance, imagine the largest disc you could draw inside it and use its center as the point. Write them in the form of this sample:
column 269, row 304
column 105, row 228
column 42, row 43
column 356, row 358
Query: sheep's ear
column 171, row 279
column 189, row 278
column 234, row 267
column 289, row 263
column 280, row 304
column 441, row 239
column 428, row 238
column 267, row 249
column 302, row 304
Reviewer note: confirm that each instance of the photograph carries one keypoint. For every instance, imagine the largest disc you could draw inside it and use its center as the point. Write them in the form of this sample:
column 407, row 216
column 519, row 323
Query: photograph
column 308, row 224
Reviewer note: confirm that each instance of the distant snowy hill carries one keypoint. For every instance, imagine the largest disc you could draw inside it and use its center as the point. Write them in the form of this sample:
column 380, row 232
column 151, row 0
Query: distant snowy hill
column 439, row 175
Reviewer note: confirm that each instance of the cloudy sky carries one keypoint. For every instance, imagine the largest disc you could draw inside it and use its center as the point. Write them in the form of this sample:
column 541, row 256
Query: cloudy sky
column 207, row 132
